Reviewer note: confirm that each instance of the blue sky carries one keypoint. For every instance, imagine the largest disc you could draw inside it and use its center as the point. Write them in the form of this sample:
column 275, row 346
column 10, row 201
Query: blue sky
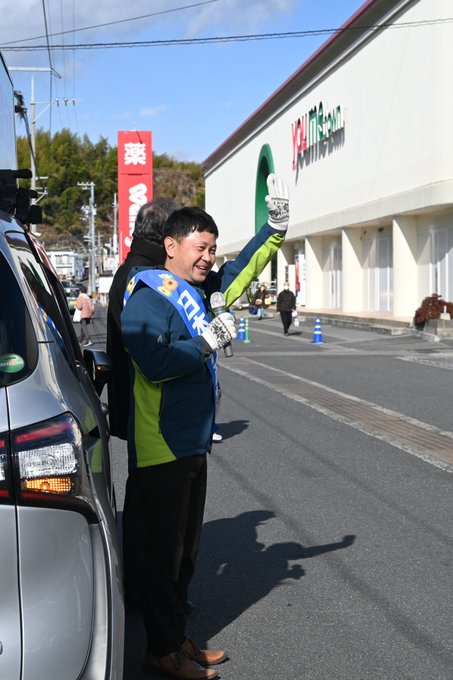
column 192, row 97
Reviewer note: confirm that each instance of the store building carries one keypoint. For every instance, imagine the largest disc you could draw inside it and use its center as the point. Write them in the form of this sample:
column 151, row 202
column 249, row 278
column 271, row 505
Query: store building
column 363, row 135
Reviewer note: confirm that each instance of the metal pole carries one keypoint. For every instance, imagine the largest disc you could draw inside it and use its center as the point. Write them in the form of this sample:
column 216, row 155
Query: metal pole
column 92, row 243
column 115, row 229
column 91, row 236
column 33, row 132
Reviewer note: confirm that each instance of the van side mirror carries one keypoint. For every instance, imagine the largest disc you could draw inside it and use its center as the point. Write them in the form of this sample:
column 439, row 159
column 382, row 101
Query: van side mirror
column 99, row 367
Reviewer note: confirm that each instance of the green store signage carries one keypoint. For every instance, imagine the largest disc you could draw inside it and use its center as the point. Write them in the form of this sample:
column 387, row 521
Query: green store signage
column 314, row 127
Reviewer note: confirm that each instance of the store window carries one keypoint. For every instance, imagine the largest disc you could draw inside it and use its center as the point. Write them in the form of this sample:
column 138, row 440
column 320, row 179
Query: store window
column 332, row 273
column 378, row 271
column 435, row 251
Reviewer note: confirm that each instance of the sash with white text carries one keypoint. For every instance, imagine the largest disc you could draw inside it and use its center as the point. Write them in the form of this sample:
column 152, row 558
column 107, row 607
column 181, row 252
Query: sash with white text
column 185, row 299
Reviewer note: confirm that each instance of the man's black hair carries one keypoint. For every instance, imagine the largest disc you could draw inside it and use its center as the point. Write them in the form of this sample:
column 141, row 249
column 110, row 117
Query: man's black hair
column 150, row 220
column 183, row 222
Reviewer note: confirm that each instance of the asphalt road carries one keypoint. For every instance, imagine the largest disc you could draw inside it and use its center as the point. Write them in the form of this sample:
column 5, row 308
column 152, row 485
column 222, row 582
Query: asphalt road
column 328, row 537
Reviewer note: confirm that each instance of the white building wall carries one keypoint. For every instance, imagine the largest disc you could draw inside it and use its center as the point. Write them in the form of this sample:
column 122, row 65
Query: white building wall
column 230, row 199
column 395, row 155
column 352, row 270
column 405, row 293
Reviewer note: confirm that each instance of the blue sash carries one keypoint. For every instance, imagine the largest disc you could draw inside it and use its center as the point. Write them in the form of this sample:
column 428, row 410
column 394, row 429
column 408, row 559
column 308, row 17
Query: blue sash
column 185, row 299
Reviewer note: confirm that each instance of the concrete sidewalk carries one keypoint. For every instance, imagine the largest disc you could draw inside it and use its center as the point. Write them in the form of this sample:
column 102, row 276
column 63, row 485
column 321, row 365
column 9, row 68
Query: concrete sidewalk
column 381, row 322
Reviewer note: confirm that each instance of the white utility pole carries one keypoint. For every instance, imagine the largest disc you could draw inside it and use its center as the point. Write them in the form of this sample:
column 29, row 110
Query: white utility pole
column 91, row 236
column 115, row 229
column 34, row 117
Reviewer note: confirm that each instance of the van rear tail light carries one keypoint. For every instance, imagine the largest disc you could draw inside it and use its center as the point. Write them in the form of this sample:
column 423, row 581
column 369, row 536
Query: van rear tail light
column 50, row 466
column 4, row 468
column 61, row 485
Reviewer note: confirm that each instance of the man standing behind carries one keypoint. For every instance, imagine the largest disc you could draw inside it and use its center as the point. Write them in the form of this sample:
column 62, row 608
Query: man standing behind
column 286, row 304
column 172, row 343
column 146, row 251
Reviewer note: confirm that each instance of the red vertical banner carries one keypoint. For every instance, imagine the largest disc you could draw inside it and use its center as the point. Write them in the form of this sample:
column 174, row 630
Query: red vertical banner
column 135, row 182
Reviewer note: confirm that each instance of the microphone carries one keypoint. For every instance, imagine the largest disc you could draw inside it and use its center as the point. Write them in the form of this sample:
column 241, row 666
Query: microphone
column 217, row 302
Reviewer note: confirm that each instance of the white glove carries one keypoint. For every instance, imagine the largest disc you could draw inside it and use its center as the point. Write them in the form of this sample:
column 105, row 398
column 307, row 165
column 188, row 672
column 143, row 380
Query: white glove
column 220, row 331
column 277, row 202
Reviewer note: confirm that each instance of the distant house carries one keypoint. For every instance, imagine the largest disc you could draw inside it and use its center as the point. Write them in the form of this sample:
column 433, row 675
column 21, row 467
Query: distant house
column 68, row 264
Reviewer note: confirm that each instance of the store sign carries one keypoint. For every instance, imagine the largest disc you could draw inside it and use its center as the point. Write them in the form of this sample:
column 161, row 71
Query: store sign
column 314, row 128
column 135, row 182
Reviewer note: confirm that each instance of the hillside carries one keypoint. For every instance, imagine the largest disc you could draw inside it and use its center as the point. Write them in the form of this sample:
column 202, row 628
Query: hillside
column 66, row 159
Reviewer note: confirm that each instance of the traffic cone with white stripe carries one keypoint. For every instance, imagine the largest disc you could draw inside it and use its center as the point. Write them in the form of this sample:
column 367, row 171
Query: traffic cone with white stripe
column 247, row 338
column 317, row 335
column 241, row 330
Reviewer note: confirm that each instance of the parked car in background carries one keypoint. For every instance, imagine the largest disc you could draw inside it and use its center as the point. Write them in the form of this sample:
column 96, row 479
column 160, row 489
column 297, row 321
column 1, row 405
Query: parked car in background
column 62, row 612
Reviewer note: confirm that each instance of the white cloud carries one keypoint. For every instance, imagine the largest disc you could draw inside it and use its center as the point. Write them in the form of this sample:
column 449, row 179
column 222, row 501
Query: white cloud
column 25, row 18
column 149, row 112
column 237, row 16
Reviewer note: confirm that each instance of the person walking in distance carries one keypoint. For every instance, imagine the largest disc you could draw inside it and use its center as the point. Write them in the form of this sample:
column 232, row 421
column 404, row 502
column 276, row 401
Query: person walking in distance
column 260, row 300
column 172, row 341
column 86, row 307
column 286, row 304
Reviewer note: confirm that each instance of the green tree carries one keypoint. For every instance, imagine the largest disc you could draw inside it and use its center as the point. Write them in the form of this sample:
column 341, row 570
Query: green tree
column 65, row 160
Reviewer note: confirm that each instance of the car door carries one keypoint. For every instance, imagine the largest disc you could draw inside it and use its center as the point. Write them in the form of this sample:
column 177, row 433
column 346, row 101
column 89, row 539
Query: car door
column 52, row 509
column 10, row 623
column 98, row 448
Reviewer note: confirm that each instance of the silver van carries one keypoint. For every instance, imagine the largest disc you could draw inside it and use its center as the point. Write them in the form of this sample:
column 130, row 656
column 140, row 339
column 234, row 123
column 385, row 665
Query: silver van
column 61, row 597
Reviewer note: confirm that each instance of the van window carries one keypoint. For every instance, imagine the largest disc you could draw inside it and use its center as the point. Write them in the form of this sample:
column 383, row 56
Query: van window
column 18, row 344
column 41, row 294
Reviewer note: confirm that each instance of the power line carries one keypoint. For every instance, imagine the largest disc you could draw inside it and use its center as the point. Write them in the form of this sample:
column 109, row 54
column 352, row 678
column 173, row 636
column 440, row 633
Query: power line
column 221, row 39
column 119, row 21
column 50, row 59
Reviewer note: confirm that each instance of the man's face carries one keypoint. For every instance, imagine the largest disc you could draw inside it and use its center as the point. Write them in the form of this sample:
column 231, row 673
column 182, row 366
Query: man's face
column 191, row 258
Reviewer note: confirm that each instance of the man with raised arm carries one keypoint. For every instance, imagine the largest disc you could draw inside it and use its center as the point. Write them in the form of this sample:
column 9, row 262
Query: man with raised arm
column 172, row 341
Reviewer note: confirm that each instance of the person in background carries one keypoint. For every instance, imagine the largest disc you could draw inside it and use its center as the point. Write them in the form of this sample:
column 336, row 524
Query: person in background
column 286, row 304
column 86, row 307
column 260, row 300
column 146, row 251
column 172, row 341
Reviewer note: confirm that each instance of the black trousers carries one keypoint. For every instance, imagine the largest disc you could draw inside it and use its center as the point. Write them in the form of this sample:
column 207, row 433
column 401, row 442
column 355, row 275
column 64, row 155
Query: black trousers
column 287, row 319
column 172, row 499
column 84, row 332
column 133, row 523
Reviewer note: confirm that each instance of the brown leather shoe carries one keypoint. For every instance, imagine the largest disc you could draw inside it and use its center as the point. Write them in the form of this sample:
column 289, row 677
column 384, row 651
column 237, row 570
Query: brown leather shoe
column 177, row 665
column 204, row 657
